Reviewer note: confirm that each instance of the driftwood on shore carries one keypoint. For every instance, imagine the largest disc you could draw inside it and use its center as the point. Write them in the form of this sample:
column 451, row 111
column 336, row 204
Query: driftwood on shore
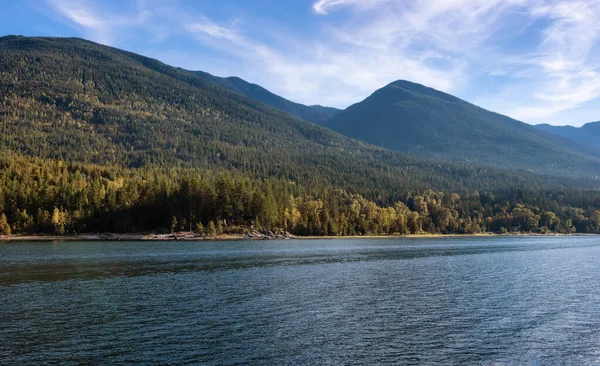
column 268, row 234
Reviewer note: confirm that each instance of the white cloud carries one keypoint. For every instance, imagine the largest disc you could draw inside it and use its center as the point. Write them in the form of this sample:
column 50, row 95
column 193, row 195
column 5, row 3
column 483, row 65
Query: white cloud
column 211, row 29
column 78, row 13
column 323, row 6
column 101, row 26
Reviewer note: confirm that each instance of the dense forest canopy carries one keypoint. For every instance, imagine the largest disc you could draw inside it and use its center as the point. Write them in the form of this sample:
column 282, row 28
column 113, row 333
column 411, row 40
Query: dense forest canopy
column 53, row 197
column 97, row 139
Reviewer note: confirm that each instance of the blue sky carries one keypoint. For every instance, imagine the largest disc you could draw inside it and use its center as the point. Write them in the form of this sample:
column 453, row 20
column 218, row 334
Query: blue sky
column 534, row 60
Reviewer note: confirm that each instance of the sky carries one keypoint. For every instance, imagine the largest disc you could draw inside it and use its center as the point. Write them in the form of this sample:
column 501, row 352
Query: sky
column 534, row 60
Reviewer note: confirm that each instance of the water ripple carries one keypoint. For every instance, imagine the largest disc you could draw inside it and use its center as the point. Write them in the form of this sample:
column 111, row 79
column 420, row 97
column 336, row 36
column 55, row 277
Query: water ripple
column 488, row 301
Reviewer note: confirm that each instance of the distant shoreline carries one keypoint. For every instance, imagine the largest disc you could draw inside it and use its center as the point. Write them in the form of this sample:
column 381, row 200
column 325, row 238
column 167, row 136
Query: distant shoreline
column 186, row 236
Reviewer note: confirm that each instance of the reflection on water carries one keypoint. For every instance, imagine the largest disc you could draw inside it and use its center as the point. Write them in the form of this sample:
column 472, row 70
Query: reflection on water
column 450, row 301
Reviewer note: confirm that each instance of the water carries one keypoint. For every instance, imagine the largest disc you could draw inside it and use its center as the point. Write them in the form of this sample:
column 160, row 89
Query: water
column 490, row 301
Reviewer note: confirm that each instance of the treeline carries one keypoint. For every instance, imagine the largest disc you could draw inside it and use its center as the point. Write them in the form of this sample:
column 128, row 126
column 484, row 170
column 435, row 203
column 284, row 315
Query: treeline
column 52, row 197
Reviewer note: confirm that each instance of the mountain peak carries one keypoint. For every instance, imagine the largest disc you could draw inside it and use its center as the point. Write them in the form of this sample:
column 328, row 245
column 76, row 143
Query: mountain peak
column 419, row 89
column 410, row 117
column 405, row 84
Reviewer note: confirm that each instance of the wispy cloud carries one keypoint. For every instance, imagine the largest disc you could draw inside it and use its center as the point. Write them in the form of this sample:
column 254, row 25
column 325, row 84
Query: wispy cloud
column 323, row 6
column 99, row 25
column 77, row 13
column 561, row 71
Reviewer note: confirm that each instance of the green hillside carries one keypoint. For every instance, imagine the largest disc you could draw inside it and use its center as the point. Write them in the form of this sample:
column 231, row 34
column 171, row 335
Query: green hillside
column 409, row 117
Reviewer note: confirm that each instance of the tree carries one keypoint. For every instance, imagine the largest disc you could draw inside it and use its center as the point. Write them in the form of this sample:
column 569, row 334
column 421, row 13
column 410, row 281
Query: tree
column 199, row 228
column 173, row 224
column 212, row 230
column 595, row 221
column 525, row 219
column 414, row 223
column 58, row 222
column 4, row 226
column 269, row 210
column 550, row 220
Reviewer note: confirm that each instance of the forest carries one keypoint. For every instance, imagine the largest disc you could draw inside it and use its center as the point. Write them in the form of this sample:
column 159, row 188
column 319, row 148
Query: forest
column 40, row 196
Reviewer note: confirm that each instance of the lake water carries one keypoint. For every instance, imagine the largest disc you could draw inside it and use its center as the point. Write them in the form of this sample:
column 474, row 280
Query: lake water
column 490, row 301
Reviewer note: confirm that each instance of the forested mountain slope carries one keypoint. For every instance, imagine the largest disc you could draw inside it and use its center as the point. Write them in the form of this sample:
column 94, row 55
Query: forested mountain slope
column 588, row 134
column 410, row 117
column 75, row 100
column 316, row 114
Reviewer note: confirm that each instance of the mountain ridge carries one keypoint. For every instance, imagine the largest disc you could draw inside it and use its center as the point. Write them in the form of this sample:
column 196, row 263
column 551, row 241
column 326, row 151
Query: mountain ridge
column 588, row 134
column 315, row 113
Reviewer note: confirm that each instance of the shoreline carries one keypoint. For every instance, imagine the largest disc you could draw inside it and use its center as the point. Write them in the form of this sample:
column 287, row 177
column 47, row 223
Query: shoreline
column 186, row 236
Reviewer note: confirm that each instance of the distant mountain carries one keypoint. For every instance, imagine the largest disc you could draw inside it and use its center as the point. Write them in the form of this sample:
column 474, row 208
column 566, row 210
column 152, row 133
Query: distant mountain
column 588, row 134
column 316, row 114
column 410, row 117
column 325, row 111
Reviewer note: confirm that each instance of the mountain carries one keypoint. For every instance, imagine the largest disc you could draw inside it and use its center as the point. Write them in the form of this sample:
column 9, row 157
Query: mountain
column 316, row 114
column 77, row 101
column 96, row 139
column 409, row 117
column 588, row 134
column 327, row 112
